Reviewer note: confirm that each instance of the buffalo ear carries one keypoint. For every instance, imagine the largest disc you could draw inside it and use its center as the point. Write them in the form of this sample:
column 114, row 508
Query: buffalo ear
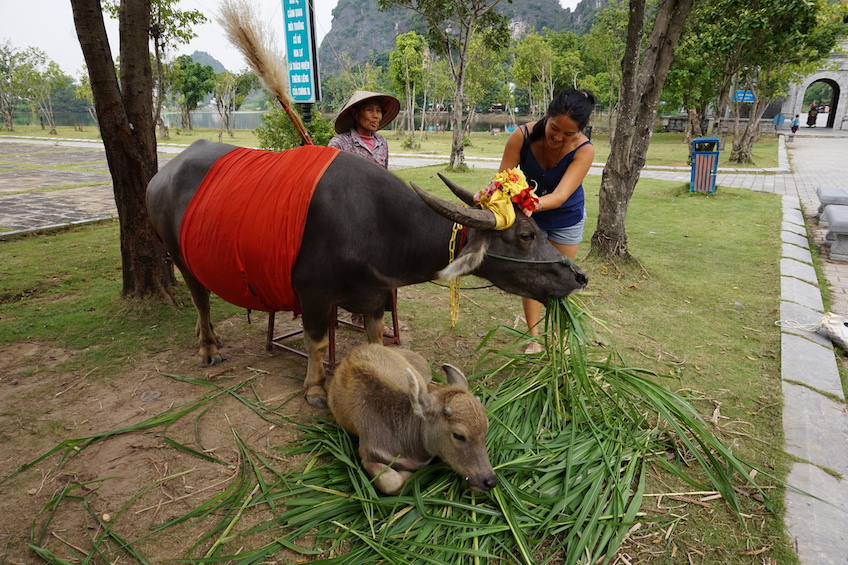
column 469, row 259
column 455, row 376
column 419, row 397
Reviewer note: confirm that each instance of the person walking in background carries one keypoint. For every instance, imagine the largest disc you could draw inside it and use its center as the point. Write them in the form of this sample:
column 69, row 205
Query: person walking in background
column 796, row 123
column 358, row 122
column 555, row 155
column 812, row 115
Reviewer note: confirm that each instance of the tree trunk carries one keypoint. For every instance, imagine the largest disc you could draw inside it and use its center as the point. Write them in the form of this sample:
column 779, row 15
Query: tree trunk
column 611, row 241
column 457, row 156
column 694, row 126
column 642, row 79
column 49, row 116
column 424, row 120
column 125, row 117
column 158, row 94
column 743, row 144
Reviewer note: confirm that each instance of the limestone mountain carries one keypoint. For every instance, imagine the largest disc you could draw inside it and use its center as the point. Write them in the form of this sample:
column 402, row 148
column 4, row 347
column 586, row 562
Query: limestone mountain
column 360, row 30
column 205, row 58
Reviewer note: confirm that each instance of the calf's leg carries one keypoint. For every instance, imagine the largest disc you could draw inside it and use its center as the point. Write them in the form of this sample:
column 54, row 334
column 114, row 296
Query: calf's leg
column 388, row 480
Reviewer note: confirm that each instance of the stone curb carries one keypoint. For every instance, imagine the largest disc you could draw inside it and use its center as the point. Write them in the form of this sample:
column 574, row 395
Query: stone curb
column 815, row 425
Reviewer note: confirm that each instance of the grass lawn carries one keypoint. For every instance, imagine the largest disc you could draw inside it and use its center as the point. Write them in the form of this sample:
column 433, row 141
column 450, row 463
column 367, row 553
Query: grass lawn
column 666, row 149
column 696, row 310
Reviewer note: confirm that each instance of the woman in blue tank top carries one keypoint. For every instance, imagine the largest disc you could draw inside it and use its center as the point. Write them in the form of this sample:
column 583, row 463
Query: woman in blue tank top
column 555, row 156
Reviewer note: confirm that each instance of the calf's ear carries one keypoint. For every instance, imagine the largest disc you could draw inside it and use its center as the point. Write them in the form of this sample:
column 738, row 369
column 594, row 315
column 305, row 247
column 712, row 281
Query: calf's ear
column 419, row 397
column 455, row 376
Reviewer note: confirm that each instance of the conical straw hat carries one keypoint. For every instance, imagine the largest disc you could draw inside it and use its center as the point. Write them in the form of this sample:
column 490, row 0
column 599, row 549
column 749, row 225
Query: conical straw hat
column 391, row 107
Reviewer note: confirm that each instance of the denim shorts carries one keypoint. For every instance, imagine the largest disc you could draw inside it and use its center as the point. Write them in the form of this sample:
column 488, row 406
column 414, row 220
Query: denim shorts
column 571, row 235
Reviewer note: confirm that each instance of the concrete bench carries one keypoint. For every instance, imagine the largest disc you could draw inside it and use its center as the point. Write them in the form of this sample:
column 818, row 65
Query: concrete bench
column 838, row 234
column 830, row 195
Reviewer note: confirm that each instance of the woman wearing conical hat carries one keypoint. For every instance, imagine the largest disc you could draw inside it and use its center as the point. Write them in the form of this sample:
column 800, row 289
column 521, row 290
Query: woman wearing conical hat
column 358, row 122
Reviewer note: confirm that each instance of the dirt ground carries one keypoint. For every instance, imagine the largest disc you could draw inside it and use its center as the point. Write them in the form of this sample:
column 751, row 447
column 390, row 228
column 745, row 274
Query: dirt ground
column 41, row 406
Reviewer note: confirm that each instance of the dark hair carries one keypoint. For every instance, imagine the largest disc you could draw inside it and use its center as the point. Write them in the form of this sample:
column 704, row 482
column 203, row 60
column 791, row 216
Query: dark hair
column 576, row 104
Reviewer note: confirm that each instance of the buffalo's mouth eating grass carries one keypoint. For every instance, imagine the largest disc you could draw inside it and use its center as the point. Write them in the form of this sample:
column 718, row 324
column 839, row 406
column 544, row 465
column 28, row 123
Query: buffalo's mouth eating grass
column 572, row 434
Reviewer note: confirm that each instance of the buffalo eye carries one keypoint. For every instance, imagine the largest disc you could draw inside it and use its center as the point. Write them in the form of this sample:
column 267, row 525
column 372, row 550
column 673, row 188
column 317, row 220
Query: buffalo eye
column 529, row 236
column 458, row 437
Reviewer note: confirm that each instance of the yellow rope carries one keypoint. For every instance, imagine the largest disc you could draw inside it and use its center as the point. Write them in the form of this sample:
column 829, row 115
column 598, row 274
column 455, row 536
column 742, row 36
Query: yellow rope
column 454, row 284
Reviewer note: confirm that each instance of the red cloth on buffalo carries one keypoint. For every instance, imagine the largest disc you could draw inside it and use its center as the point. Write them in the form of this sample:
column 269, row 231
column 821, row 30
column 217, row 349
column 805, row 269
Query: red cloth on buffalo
column 241, row 231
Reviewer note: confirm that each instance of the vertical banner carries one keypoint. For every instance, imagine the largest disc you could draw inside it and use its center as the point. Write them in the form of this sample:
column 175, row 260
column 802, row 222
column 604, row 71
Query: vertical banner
column 301, row 54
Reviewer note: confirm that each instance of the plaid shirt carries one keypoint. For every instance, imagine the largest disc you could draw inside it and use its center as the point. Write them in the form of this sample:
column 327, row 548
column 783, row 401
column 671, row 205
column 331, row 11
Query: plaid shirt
column 351, row 141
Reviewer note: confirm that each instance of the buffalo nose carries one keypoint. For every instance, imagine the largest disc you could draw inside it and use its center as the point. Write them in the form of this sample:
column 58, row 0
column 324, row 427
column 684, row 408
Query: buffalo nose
column 579, row 276
column 490, row 482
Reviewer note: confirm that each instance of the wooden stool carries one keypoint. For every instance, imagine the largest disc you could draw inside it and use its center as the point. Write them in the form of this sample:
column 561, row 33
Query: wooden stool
column 390, row 338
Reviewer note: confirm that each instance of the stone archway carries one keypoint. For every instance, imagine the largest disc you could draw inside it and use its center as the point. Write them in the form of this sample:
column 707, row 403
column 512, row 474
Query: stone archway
column 835, row 76
column 833, row 102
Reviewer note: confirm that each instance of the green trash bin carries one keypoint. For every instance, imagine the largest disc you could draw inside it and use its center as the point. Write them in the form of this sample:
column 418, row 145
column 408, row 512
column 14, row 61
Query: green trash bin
column 704, row 164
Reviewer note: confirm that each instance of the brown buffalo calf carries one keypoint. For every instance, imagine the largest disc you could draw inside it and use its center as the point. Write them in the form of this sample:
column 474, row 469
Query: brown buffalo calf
column 403, row 420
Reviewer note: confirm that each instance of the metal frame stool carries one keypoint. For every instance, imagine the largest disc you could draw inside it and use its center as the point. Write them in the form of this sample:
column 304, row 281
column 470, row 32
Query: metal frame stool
column 390, row 338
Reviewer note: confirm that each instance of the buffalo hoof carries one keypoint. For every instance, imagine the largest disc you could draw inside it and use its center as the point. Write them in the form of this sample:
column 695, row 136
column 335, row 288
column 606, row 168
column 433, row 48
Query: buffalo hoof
column 215, row 360
column 316, row 396
column 209, row 360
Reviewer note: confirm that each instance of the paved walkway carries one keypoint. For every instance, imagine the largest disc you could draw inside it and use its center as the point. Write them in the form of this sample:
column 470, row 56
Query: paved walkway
column 815, row 418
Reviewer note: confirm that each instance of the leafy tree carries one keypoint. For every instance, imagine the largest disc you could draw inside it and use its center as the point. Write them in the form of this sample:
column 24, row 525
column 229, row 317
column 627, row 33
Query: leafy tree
column 818, row 93
column 29, row 76
column 334, row 92
column 169, row 27
column 759, row 46
column 643, row 74
column 485, row 75
column 544, row 64
column 692, row 85
column 533, row 68
column 406, row 66
column 359, row 76
column 15, row 67
column 230, row 92
column 192, row 81
column 569, row 63
column 65, row 98
column 450, row 26
column 41, row 77
column 7, row 96
column 124, row 105
column 84, row 92
column 438, row 85
column 602, row 49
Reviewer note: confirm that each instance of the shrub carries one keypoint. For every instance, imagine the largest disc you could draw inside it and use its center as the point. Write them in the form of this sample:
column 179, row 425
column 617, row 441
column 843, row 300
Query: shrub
column 278, row 133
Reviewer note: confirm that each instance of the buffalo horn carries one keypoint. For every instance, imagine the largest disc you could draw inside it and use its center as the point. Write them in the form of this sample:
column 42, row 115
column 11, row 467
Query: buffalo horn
column 471, row 217
column 460, row 192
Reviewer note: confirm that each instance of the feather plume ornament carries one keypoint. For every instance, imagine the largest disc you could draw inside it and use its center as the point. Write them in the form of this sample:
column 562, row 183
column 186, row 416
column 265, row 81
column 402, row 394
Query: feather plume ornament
column 256, row 42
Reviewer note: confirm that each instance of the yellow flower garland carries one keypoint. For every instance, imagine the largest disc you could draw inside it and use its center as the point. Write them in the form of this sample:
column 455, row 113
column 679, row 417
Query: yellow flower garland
column 509, row 187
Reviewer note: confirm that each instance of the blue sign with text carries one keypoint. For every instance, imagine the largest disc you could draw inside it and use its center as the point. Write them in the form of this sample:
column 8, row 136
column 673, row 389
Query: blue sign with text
column 743, row 96
column 300, row 51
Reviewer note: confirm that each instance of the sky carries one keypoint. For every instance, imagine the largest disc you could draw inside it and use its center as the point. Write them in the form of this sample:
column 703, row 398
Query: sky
column 49, row 25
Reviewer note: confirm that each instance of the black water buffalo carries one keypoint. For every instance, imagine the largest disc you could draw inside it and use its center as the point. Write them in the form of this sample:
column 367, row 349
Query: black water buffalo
column 365, row 233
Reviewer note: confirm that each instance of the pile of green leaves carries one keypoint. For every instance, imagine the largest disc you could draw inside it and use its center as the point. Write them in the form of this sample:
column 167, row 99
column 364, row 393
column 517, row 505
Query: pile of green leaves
column 570, row 436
